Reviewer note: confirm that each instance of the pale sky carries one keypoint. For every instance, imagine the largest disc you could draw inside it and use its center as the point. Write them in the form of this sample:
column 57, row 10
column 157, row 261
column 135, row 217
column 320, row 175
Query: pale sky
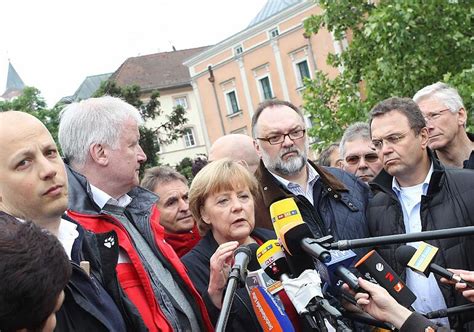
column 55, row 44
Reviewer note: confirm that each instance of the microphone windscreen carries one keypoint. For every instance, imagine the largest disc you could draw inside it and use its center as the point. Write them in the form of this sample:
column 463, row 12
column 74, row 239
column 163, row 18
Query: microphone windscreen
column 404, row 254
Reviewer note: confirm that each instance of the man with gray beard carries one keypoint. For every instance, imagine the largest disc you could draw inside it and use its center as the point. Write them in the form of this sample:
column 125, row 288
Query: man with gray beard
column 331, row 201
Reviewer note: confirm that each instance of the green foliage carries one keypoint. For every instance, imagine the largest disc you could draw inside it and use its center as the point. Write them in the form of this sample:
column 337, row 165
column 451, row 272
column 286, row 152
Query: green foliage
column 464, row 82
column 185, row 168
column 31, row 101
column 150, row 138
column 397, row 47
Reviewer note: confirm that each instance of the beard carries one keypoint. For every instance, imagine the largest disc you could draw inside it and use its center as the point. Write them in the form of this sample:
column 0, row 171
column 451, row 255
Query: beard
column 291, row 166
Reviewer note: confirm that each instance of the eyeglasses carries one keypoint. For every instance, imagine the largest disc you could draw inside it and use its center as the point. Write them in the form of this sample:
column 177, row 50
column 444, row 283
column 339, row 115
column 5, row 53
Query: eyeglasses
column 355, row 159
column 434, row 115
column 280, row 138
column 392, row 139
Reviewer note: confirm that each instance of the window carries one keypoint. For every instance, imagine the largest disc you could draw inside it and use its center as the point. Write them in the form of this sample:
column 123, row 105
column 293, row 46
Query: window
column 232, row 104
column 266, row 89
column 188, row 136
column 238, row 50
column 302, row 71
column 274, row 33
column 181, row 101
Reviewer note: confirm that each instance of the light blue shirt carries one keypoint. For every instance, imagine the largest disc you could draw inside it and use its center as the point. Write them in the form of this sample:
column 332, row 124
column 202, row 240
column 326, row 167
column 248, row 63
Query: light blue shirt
column 296, row 189
column 427, row 291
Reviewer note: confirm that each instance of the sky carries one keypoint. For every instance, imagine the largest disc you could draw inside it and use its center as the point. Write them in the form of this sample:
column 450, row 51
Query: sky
column 55, row 44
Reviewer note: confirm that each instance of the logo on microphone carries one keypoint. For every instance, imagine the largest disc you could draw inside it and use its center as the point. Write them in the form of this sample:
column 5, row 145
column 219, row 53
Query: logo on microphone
column 379, row 267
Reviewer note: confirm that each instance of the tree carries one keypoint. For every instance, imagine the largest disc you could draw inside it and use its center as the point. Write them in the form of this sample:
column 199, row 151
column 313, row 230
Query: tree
column 31, row 101
column 397, row 47
column 150, row 138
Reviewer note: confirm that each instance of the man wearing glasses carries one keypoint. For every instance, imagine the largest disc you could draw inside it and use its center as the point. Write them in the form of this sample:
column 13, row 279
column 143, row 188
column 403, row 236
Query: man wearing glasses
column 414, row 193
column 358, row 154
column 330, row 200
column 446, row 119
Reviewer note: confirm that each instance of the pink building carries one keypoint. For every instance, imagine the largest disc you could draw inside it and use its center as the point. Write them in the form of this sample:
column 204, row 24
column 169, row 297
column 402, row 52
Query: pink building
column 269, row 59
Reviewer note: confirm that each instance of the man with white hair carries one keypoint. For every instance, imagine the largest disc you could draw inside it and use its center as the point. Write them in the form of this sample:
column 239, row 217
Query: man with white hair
column 100, row 141
column 446, row 119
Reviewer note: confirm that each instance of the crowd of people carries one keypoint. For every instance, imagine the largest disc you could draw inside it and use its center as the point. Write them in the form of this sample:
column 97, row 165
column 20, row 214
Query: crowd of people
column 86, row 246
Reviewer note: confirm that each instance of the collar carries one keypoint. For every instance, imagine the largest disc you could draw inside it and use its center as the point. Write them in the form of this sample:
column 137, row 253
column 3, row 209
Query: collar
column 426, row 182
column 101, row 198
column 312, row 176
column 67, row 234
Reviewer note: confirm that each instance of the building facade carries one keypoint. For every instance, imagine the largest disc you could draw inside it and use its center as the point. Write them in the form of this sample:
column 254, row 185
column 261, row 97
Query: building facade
column 269, row 59
column 166, row 73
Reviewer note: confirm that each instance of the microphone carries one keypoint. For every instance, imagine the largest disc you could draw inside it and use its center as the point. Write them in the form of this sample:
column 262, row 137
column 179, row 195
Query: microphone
column 300, row 290
column 450, row 311
column 420, row 261
column 237, row 275
column 286, row 218
column 336, row 272
column 403, row 238
column 269, row 314
column 374, row 268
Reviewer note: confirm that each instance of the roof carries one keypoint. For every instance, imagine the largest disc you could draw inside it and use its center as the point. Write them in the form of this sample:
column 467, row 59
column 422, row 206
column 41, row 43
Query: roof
column 14, row 83
column 156, row 71
column 271, row 8
column 89, row 86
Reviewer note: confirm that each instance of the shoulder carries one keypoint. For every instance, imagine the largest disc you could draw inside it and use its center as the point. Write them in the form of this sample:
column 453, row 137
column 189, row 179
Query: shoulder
column 263, row 233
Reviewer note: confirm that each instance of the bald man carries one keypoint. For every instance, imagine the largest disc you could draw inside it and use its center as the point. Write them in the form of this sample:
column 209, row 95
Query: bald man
column 34, row 186
column 237, row 147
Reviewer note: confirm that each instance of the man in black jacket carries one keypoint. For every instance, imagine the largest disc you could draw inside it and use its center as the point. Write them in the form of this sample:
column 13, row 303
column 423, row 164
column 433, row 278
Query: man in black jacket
column 33, row 186
column 414, row 193
column 330, row 200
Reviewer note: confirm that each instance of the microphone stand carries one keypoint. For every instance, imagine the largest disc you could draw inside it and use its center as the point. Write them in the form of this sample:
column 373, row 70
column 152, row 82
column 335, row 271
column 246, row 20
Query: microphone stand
column 233, row 282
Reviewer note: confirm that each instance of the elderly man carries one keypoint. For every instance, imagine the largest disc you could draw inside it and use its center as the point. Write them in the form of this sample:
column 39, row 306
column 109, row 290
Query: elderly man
column 330, row 156
column 446, row 119
column 237, row 147
column 33, row 186
column 358, row 155
column 172, row 189
column 331, row 201
column 100, row 140
column 414, row 193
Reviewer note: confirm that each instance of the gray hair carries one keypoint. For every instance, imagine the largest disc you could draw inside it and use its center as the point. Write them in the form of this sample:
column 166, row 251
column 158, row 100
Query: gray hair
column 160, row 174
column 358, row 130
column 444, row 93
column 94, row 120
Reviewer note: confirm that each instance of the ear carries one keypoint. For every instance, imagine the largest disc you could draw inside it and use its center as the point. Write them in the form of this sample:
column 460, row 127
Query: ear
column 424, row 137
column 204, row 216
column 462, row 117
column 99, row 154
column 257, row 148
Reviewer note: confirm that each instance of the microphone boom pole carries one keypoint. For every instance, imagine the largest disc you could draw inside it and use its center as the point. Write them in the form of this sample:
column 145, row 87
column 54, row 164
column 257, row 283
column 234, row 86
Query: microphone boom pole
column 402, row 238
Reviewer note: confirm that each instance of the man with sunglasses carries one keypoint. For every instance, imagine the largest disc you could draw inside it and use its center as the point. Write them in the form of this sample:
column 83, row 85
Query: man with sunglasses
column 414, row 193
column 331, row 201
column 358, row 154
column 446, row 119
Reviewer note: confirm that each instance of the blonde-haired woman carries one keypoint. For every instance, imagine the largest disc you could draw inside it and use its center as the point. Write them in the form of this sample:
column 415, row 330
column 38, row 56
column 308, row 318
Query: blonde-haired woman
column 221, row 199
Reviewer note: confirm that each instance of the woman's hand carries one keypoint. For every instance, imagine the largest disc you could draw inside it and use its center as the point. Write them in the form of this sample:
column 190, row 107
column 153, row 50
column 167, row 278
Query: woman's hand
column 220, row 264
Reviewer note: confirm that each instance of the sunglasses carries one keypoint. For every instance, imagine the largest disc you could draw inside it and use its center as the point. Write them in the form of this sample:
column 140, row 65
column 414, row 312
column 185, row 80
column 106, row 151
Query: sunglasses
column 369, row 157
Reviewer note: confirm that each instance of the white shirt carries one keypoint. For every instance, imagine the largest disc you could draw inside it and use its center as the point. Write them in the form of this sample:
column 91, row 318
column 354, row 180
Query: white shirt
column 296, row 189
column 101, row 198
column 67, row 234
column 427, row 291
